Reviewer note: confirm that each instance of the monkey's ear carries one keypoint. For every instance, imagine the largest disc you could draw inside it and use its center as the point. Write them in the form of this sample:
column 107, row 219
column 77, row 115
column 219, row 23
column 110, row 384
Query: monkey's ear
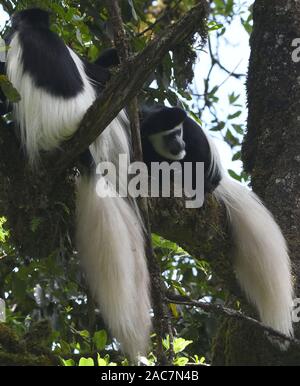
column 178, row 115
column 108, row 58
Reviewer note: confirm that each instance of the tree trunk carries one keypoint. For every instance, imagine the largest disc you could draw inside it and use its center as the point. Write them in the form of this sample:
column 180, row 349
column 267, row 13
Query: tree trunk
column 271, row 153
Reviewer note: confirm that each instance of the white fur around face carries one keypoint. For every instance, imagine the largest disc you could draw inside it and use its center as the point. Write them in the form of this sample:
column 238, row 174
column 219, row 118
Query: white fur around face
column 159, row 145
column 45, row 120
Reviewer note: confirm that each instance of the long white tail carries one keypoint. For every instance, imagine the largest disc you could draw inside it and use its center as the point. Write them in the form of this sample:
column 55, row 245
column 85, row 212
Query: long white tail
column 112, row 249
column 262, row 263
column 111, row 246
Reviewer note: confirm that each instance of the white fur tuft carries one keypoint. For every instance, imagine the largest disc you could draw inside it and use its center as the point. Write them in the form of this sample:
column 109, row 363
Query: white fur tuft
column 113, row 141
column 262, row 263
column 111, row 245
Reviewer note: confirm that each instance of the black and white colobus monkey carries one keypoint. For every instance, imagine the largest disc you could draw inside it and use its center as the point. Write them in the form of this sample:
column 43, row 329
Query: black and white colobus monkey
column 57, row 88
column 261, row 260
column 262, row 264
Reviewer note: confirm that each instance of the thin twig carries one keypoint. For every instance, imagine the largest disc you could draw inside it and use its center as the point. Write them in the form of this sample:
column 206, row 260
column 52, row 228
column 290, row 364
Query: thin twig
column 217, row 61
column 229, row 312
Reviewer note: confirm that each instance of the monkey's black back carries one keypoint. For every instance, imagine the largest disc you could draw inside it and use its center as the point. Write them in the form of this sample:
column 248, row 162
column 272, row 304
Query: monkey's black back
column 47, row 59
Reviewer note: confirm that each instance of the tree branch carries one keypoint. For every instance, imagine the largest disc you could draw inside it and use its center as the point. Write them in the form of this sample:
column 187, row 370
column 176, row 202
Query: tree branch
column 229, row 312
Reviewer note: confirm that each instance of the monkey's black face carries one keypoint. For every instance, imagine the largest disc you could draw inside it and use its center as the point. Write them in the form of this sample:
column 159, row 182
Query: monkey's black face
column 169, row 144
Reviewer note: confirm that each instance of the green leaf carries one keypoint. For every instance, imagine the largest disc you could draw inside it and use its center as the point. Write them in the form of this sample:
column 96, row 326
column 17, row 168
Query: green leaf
column 8, row 89
column 100, row 339
column 229, row 7
column 3, row 233
column 213, row 26
column 237, row 156
column 180, row 344
column 181, row 361
column 231, row 139
column 248, row 23
column 67, row 362
column 219, row 3
column 185, row 94
column 178, row 288
column 84, row 334
column 65, row 347
column 166, row 342
column 93, row 53
column 174, row 310
column 196, row 118
column 233, row 174
column 101, row 361
column 238, row 129
column 160, row 242
column 220, row 126
column 233, row 98
column 235, row 115
column 213, row 91
column 86, row 362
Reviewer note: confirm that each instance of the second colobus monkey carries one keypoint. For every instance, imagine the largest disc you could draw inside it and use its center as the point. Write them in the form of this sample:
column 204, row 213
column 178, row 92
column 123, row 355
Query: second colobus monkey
column 56, row 89
column 261, row 260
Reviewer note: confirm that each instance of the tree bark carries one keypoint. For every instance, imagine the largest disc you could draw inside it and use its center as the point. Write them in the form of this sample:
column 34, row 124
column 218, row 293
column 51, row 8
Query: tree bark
column 271, row 153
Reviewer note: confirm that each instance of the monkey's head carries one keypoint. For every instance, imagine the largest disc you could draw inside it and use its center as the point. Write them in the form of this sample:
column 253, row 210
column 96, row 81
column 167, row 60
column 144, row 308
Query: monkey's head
column 32, row 17
column 163, row 128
